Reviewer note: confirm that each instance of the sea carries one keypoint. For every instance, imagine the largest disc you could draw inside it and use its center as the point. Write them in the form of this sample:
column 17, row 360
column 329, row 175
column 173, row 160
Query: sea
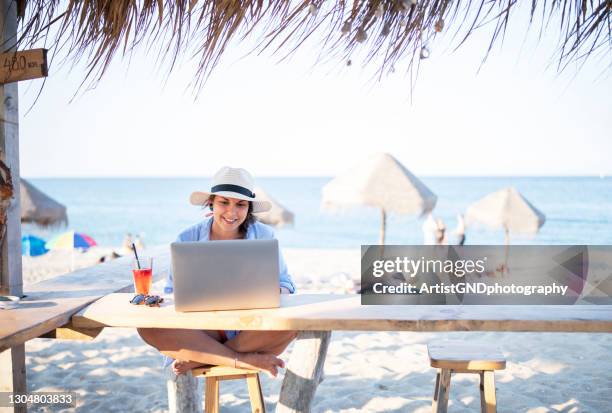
column 578, row 210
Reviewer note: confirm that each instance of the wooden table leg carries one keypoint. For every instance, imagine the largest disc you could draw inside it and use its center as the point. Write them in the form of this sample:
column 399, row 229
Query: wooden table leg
column 304, row 372
column 184, row 393
column 13, row 374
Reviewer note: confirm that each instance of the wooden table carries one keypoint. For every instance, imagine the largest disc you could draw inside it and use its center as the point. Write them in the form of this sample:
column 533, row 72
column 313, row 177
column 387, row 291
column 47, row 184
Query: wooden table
column 316, row 315
column 326, row 312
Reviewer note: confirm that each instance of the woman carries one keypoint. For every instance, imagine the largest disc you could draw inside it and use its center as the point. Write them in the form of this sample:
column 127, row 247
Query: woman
column 232, row 202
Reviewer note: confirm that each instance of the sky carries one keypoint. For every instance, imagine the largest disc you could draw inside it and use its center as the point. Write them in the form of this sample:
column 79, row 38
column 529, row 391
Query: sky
column 515, row 115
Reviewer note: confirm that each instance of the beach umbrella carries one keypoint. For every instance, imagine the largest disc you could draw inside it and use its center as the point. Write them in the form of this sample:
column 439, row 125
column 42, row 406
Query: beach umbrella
column 69, row 241
column 380, row 181
column 278, row 215
column 506, row 209
column 32, row 246
column 39, row 208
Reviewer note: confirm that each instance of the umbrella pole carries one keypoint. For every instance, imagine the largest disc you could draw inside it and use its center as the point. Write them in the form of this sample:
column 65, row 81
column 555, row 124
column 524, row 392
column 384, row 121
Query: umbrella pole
column 382, row 229
column 506, row 249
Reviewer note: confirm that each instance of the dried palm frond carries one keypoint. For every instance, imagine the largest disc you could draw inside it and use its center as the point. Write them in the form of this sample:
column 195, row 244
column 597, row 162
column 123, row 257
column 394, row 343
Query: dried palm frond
column 386, row 30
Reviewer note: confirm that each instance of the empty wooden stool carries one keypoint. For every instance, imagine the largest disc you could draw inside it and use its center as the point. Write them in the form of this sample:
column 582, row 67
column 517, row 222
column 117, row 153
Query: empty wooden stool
column 461, row 357
column 215, row 374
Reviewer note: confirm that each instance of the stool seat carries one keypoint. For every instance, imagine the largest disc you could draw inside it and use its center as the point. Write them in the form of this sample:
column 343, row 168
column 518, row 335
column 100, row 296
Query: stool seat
column 216, row 374
column 459, row 355
column 218, row 371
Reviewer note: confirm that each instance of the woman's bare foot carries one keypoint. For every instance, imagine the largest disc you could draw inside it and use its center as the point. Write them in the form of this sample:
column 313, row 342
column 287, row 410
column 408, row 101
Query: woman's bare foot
column 182, row 367
column 267, row 362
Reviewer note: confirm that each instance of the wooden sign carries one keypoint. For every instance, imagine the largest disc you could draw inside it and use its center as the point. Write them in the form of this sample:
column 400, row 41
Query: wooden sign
column 24, row 65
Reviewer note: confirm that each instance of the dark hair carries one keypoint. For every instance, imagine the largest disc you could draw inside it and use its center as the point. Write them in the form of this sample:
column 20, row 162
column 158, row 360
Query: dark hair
column 244, row 226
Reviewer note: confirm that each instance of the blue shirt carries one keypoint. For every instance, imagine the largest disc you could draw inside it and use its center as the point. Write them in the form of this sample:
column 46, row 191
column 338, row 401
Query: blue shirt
column 257, row 230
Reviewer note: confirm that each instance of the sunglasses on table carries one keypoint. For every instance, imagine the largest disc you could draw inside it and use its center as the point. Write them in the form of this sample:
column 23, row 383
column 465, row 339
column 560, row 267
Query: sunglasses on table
column 148, row 300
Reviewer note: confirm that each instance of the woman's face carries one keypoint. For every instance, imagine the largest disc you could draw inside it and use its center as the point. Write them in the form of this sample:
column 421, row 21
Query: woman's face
column 229, row 213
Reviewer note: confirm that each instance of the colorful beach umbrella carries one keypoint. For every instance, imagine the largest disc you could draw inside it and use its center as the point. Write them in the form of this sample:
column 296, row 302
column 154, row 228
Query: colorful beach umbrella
column 70, row 240
column 32, row 246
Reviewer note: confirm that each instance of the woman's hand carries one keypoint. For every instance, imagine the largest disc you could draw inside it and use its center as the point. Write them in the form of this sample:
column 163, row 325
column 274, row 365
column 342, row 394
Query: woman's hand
column 284, row 290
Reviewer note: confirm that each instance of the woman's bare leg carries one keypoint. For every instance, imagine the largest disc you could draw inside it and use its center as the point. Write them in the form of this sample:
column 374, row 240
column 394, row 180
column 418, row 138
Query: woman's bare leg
column 203, row 348
column 274, row 342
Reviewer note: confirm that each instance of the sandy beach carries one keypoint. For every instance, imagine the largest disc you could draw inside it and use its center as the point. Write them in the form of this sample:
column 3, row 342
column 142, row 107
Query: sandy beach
column 369, row 372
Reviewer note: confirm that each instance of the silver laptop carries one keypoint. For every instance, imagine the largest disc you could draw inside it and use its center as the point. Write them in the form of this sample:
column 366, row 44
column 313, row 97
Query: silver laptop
column 225, row 275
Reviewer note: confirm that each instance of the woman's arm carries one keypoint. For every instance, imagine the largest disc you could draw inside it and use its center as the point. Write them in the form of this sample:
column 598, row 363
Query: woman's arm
column 285, row 281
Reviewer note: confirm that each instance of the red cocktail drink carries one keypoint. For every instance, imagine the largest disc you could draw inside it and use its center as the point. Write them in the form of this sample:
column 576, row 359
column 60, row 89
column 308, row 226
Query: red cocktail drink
column 142, row 280
column 143, row 275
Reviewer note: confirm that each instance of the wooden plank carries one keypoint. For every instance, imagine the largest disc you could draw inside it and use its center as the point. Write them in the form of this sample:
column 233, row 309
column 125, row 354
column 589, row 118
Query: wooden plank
column 304, row 372
column 435, row 402
column 488, row 383
column 443, row 391
column 12, row 361
column 211, row 399
column 184, row 393
column 215, row 371
column 13, row 375
column 326, row 312
column 257, row 401
column 70, row 332
column 10, row 259
column 23, row 65
column 483, row 403
column 51, row 304
column 461, row 355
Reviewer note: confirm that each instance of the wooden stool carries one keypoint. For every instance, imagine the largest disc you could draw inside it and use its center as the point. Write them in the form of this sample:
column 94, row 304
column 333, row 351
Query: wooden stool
column 461, row 357
column 215, row 374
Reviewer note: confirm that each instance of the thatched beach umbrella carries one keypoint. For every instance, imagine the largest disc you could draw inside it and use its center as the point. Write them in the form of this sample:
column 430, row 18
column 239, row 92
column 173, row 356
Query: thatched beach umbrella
column 278, row 215
column 506, row 209
column 383, row 32
column 39, row 208
column 383, row 182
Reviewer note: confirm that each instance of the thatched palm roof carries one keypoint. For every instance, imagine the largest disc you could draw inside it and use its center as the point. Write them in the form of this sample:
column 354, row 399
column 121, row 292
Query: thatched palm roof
column 385, row 30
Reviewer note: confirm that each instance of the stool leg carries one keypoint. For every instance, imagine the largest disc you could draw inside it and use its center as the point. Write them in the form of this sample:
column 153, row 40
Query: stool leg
column 257, row 401
column 440, row 403
column 434, row 404
column 211, row 397
column 488, row 403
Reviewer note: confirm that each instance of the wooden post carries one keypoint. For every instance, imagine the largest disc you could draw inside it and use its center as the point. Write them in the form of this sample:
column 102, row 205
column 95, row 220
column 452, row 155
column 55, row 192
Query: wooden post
column 304, row 372
column 184, row 393
column 12, row 361
column 13, row 375
column 10, row 275
column 442, row 390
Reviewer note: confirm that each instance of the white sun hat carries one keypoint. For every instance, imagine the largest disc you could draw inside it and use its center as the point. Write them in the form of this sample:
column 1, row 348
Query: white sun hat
column 232, row 183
